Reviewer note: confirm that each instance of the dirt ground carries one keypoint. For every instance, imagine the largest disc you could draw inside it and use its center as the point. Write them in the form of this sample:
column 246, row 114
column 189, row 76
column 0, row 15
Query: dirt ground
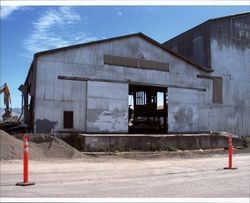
column 59, row 170
column 129, row 176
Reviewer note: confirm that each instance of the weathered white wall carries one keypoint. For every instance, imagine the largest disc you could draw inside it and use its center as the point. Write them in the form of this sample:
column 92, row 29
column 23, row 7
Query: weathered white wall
column 232, row 63
column 54, row 96
column 230, row 57
column 185, row 106
column 107, row 107
column 226, row 49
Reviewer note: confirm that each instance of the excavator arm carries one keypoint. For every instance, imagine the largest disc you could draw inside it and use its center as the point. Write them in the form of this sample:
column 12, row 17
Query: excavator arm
column 7, row 101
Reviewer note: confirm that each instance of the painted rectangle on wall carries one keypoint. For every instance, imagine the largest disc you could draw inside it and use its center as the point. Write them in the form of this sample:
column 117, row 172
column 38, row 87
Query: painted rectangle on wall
column 217, row 90
column 135, row 63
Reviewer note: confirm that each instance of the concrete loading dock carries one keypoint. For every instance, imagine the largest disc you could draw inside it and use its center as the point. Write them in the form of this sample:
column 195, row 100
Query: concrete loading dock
column 153, row 142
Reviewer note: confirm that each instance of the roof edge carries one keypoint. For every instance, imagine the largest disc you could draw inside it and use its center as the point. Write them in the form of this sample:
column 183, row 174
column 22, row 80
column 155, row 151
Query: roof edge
column 84, row 44
column 30, row 69
column 208, row 21
column 122, row 37
column 230, row 16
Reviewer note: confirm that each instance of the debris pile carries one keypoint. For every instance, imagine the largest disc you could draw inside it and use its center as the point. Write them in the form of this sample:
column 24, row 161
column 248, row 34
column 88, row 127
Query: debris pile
column 41, row 147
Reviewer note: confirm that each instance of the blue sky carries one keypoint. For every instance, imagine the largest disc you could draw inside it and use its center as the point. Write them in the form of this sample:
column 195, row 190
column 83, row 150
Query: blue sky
column 27, row 30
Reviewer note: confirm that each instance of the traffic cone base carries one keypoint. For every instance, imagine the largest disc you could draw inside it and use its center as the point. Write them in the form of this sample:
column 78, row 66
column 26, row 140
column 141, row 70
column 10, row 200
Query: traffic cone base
column 227, row 168
column 25, row 184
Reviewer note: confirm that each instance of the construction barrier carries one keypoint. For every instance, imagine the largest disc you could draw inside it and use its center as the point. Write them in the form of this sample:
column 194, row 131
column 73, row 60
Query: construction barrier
column 25, row 163
column 230, row 153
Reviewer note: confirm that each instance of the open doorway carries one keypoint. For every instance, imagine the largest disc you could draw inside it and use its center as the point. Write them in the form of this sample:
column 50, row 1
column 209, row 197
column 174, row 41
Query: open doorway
column 148, row 109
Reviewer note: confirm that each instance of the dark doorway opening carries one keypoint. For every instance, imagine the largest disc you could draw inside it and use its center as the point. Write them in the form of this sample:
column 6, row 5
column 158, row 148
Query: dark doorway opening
column 148, row 109
column 68, row 119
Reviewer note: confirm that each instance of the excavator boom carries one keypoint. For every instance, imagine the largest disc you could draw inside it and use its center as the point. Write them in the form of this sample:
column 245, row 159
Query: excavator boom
column 7, row 101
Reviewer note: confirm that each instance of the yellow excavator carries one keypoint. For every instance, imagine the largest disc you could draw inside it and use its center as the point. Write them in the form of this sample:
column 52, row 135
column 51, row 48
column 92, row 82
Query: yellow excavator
column 7, row 101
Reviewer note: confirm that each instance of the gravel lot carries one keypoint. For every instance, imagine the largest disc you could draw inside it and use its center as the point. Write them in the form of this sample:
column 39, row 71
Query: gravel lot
column 119, row 176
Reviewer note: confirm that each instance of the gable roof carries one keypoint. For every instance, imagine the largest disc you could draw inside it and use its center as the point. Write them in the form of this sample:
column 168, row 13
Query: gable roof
column 209, row 21
column 150, row 40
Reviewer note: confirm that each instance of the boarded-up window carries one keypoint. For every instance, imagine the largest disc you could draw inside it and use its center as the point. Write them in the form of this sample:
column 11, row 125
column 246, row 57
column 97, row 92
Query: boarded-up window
column 217, row 90
column 135, row 63
column 68, row 119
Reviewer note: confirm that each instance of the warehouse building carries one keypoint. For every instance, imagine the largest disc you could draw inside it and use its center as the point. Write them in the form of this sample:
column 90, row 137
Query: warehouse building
column 123, row 84
column 133, row 84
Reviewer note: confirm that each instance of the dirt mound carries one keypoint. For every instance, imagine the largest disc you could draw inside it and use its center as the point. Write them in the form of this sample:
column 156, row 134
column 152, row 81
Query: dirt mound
column 11, row 148
column 42, row 146
column 57, row 148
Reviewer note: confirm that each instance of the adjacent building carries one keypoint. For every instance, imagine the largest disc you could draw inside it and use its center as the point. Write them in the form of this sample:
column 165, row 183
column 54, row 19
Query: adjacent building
column 222, row 44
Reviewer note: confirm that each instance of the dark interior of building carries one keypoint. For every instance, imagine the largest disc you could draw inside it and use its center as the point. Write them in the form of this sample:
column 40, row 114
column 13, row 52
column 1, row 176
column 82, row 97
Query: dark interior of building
column 148, row 109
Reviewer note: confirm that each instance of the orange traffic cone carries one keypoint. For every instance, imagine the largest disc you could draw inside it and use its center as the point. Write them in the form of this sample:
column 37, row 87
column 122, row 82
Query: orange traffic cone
column 25, row 163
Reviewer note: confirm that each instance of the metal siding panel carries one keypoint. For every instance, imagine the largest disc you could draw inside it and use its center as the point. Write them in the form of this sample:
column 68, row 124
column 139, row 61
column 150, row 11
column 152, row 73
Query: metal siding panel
column 107, row 109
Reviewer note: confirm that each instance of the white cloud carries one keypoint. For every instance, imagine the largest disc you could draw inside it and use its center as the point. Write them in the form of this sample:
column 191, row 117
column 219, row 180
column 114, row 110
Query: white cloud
column 6, row 11
column 119, row 13
column 63, row 15
column 56, row 28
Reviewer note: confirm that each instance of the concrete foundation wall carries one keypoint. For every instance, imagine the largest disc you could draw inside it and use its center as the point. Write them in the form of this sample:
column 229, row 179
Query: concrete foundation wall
column 109, row 143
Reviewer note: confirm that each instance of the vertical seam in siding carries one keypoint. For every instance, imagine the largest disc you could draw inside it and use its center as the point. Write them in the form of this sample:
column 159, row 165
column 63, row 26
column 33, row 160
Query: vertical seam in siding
column 86, row 106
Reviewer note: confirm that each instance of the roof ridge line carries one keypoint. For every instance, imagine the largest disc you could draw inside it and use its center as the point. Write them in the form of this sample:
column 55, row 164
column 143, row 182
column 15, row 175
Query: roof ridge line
column 140, row 34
